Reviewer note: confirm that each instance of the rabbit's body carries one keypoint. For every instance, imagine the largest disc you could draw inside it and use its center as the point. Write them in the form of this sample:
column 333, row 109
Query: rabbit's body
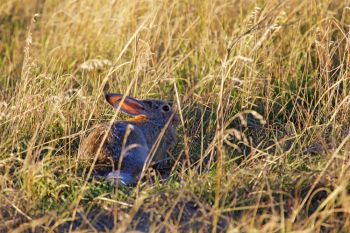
column 129, row 143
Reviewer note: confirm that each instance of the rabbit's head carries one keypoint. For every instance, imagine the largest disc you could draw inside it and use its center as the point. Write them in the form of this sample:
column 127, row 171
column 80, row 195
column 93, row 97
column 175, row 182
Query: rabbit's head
column 156, row 111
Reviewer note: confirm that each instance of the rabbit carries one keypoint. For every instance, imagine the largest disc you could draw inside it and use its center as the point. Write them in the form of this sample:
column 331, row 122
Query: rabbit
column 129, row 143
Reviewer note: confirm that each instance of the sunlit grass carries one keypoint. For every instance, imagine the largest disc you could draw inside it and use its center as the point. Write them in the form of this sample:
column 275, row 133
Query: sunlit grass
column 262, row 88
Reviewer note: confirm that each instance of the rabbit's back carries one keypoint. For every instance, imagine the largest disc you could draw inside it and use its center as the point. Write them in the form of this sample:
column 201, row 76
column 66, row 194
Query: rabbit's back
column 123, row 135
column 122, row 138
column 92, row 146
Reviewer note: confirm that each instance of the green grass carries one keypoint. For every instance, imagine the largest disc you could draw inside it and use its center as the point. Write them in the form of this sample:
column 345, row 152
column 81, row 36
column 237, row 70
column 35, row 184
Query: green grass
column 262, row 88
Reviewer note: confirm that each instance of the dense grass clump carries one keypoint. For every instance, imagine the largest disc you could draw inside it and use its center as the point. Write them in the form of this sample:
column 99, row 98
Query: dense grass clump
column 262, row 89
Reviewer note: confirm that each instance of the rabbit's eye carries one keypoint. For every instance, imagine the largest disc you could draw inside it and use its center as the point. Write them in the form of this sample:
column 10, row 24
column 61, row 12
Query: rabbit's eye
column 166, row 108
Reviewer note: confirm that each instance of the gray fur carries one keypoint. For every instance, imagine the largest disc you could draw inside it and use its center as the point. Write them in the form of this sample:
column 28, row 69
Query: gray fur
column 131, row 141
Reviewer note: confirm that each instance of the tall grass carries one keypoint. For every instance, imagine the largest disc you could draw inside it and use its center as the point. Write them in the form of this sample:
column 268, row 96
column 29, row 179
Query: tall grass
column 262, row 89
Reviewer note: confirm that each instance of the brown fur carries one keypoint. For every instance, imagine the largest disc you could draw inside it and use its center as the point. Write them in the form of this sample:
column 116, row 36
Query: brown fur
column 90, row 146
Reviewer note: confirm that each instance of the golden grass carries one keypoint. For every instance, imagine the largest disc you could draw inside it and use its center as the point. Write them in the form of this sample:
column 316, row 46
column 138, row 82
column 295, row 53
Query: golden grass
column 262, row 88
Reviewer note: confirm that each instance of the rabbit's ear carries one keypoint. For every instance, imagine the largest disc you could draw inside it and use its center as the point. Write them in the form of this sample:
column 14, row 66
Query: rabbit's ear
column 130, row 105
